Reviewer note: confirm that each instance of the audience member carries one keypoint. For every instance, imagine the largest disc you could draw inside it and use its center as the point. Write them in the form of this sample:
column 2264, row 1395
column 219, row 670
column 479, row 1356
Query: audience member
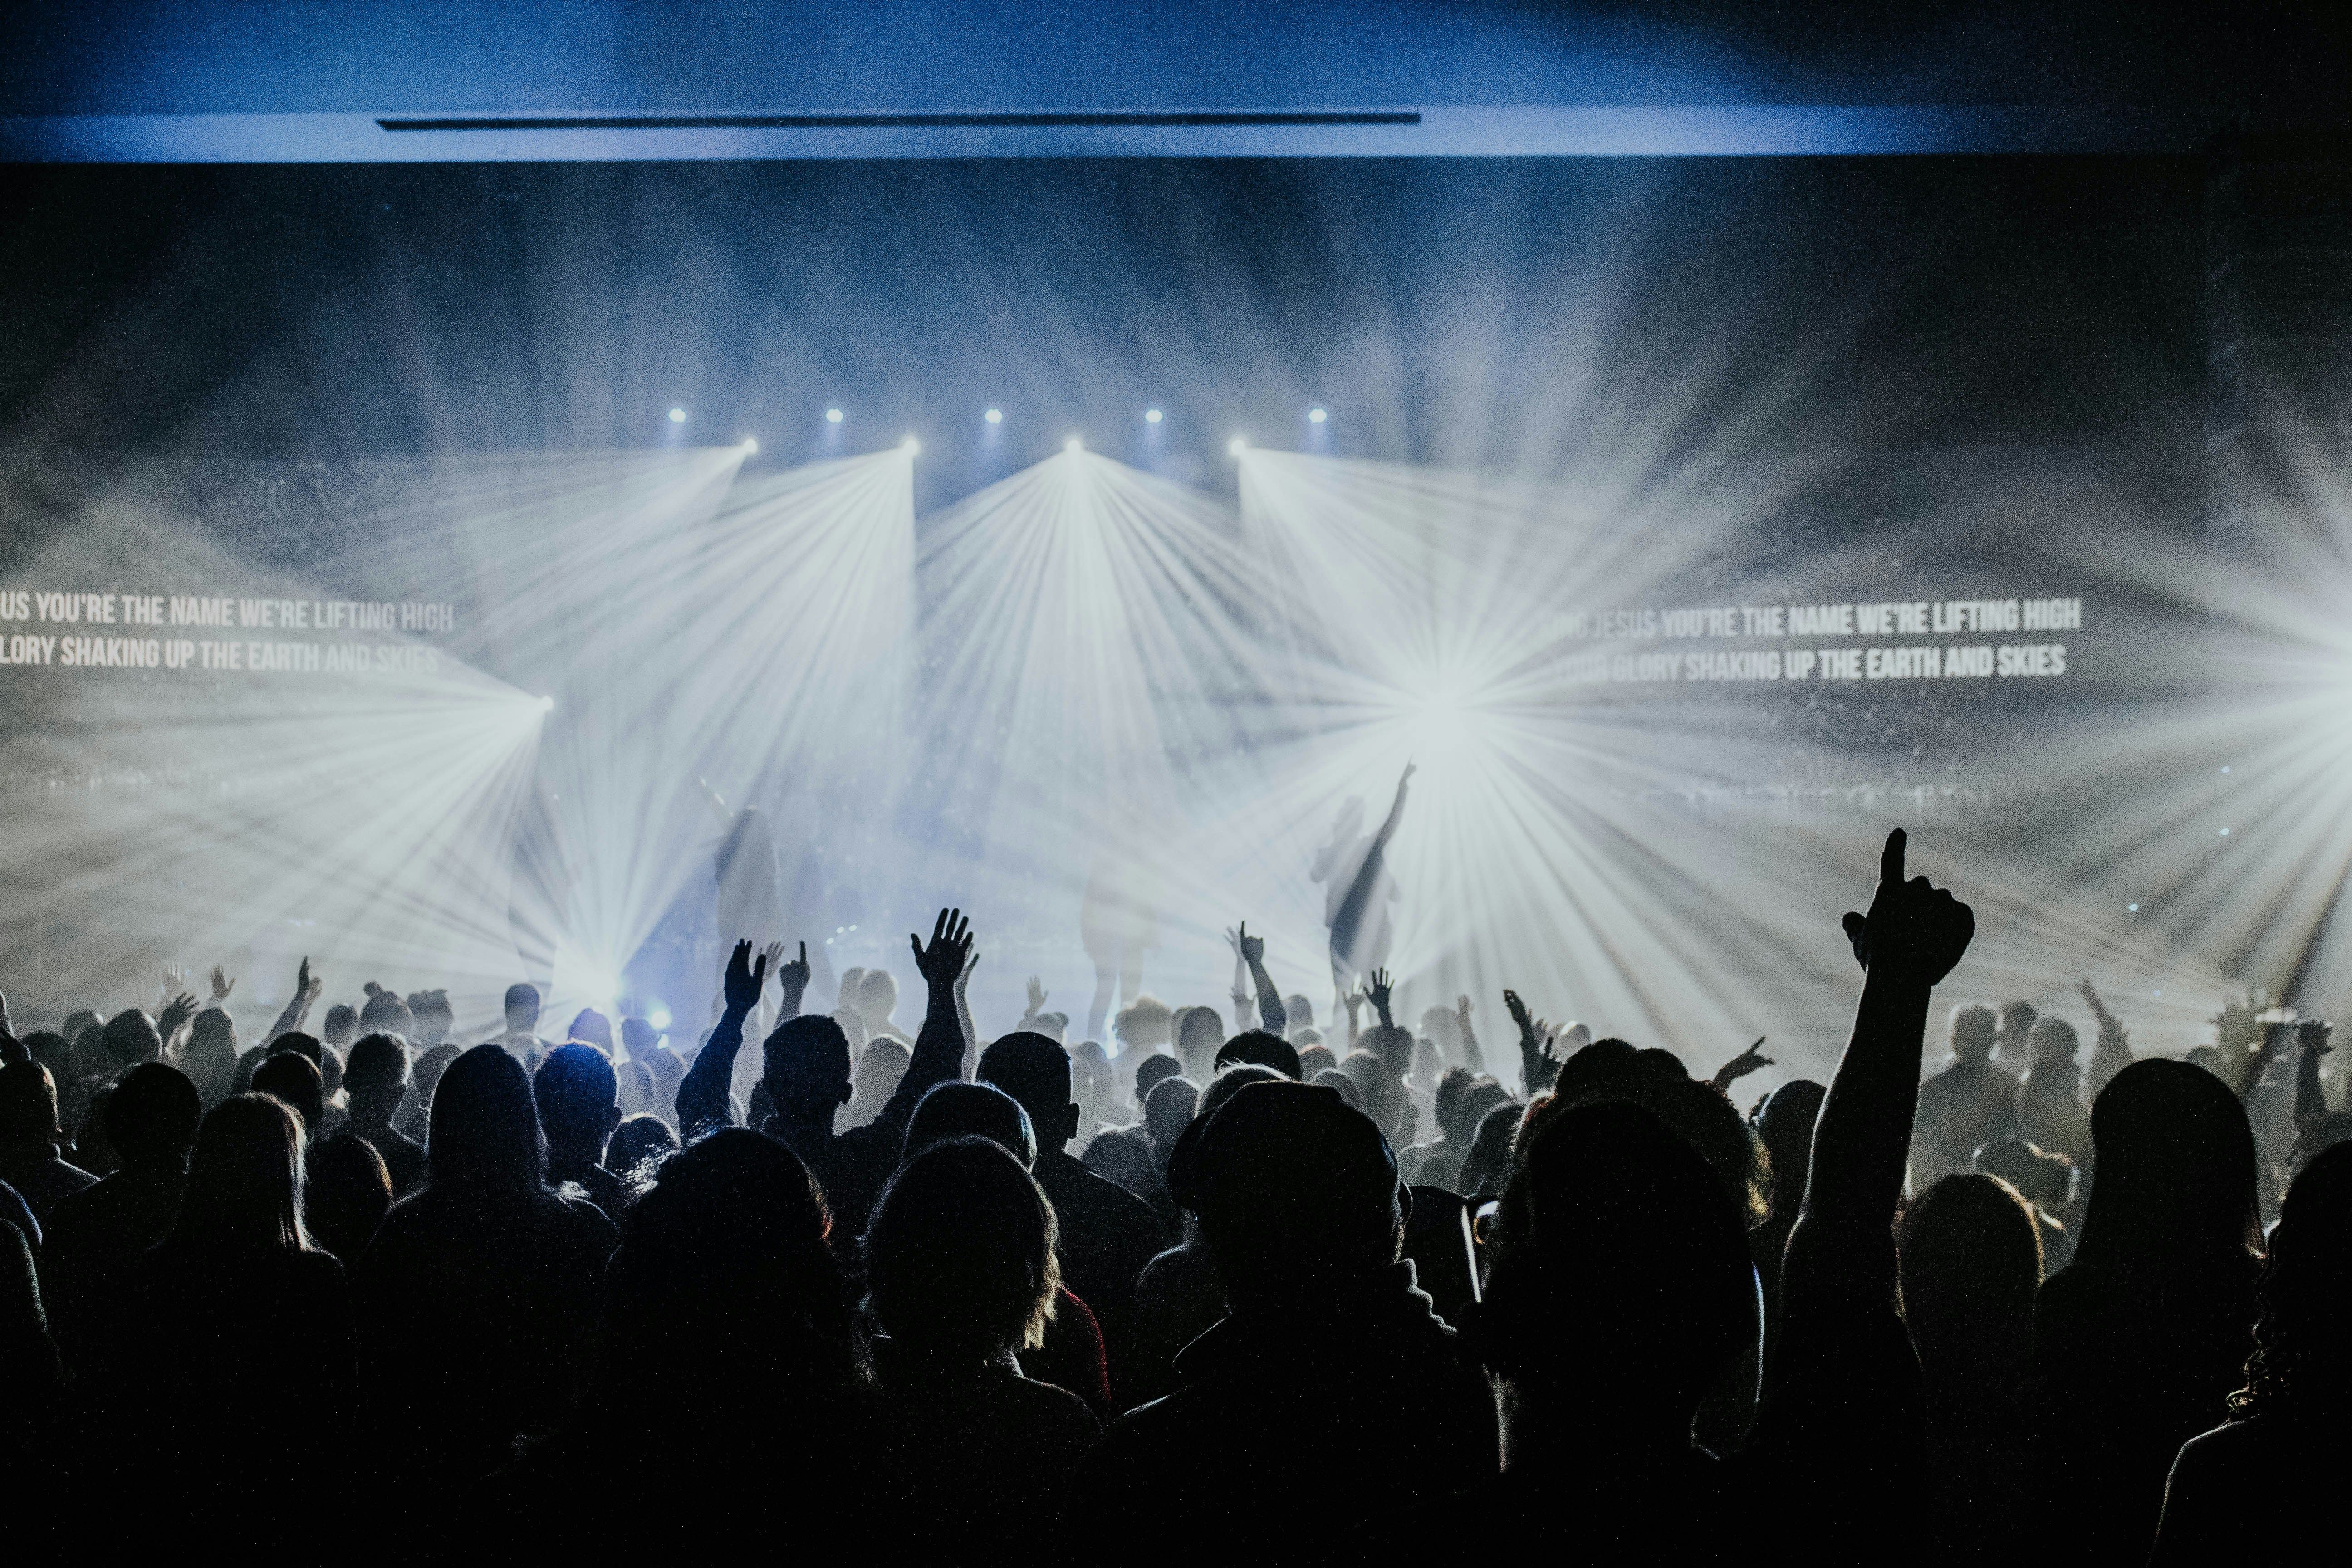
column 478, row 1299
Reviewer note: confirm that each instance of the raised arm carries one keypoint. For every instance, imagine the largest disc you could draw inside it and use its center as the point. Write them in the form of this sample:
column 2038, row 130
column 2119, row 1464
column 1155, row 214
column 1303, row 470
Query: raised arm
column 1472, row 1057
column 1270, row 1015
column 939, row 1043
column 1538, row 1065
column 702, row 1094
column 970, row 1061
column 2250, row 1067
column 1752, row 1059
column 307, row 987
column 2112, row 1053
column 1840, row 1257
column 792, row 984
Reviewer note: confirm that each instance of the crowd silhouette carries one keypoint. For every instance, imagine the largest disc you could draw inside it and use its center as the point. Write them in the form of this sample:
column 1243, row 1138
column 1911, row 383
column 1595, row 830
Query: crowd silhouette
column 1271, row 1293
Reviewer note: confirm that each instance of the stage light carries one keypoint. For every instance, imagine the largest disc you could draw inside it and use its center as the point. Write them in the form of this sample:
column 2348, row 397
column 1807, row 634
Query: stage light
column 1315, row 417
column 995, row 417
column 750, row 446
column 678, row 416
column 1074, row 444
column 1151, row 416
column 547, row 704
column 659, row 1017
column 1237, row 446
column 832, row 416
column 910, row 445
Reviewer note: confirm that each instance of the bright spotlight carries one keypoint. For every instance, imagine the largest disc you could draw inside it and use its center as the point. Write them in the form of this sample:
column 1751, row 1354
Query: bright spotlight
column 659, row 1016
column 751, row 445
column 1315, row 417
column 995, row 417
column 1074, row 444
column 678, row 416
column 1151, row 416
column 547, row 704
column 832, row 416
column 910, row 445
column 1237, row 446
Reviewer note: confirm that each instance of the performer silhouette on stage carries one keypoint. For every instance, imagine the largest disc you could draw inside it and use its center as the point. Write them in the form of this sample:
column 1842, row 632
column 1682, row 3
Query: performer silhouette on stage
column 1358, row 891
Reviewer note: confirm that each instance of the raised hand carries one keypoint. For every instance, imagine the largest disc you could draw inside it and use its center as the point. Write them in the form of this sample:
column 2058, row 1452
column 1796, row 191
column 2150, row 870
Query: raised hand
column 744, row 979
column 792, row 976
column 1251, row 948
column 2311, row 1034
column 774, row 953
column 175, row 979
column 1379, row 989
column 971, row 963
column 1915, row 932
column 941, row 962
column 1519, row 1015
column 175, row 1014
column 1037, row 997
column 1750, row 1060
column 222, row 985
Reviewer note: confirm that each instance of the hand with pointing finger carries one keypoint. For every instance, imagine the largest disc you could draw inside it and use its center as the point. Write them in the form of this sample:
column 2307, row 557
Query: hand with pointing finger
column 1915, row 932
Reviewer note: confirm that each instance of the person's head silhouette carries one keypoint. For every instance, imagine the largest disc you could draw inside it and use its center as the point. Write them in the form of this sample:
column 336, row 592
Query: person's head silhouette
column 954, row 1109
column 243, row 1191
column 1035, row 1071
column 1199, row 1036
column 1229, row 1083
column 1974, row 1029
column 1167, row 1110
column 211, row 1053
column 880, row 1064
column 484, row 1131
column 303, row 1045
column 723, row 1279
column 1703, row 1119
column 805, row 1064
column 151, row 1118
column 387, row 1012
column 1620, row 1289
column 347, row 1192
column 1263, row 1048
column 1786, row 1128
column 375, row 1079
column 522, row 1008
column 579, row 1102
column 1295, row 1191
column 28, row 1106
column 293, row 1079
column 2052, row 1042
column 1488, row 1165
column 2174, row 1182
column 2302, row 1361
column 130, row 1038
column 960, row 1255
column 638, row 1148
column 1972, row 1264
column 590, row 1028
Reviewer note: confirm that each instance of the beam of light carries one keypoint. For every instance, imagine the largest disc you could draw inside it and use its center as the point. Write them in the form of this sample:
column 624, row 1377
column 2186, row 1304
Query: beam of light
column 1085, row 655
column 693, row 628
column 357, row 818
column 1549, row 844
